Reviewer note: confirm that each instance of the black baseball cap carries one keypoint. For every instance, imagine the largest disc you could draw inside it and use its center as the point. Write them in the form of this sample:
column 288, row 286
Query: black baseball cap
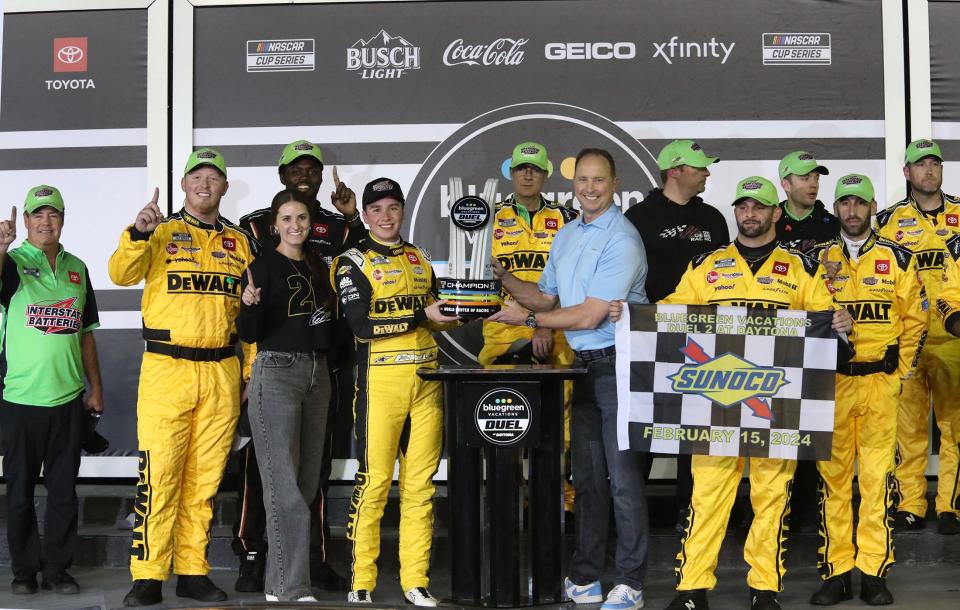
column 381, row 188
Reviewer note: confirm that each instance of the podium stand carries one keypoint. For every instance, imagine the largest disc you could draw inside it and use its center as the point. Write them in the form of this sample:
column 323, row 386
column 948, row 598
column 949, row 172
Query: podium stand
column 497, row 411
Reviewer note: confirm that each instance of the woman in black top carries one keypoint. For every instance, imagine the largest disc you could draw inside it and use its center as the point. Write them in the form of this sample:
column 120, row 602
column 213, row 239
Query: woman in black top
column 287, row 311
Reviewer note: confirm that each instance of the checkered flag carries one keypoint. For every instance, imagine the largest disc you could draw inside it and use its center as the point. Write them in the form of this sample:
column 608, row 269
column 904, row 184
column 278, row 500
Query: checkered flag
column 726, row 381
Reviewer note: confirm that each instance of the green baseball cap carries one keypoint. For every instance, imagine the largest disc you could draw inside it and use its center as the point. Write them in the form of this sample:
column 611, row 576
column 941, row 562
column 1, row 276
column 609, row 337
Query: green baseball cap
column 43, row 195
column 532, row 153
column 757, row 188
column 205, row 156
column 800, row 163
column 300, row 148
column 918, row 149
column 854, row 184
column 683, row 152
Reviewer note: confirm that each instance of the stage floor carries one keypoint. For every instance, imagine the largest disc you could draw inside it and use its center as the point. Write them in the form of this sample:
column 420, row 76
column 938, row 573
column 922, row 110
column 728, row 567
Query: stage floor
column 915, row 587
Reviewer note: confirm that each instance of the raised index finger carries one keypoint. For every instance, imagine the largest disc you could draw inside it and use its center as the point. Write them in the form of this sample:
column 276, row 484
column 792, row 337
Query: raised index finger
column 250, row 278
column 13, row 214
column 336, row 177
column 156, row 195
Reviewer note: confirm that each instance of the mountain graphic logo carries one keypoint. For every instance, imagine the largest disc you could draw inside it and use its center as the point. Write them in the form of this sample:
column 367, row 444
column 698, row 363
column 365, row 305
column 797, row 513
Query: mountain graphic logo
column 383, row 55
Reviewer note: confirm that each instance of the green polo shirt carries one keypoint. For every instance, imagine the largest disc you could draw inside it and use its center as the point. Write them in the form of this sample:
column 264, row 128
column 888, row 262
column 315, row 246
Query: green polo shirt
column 46, row 313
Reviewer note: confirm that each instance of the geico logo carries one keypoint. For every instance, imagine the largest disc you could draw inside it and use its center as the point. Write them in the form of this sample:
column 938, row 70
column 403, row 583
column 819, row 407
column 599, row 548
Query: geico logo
column 523, row 260
column 869, row 312
column 203, row 283
column 930, row 259
column 399, row 303
column 389, row 329
column 590, row 50
column 71, row 83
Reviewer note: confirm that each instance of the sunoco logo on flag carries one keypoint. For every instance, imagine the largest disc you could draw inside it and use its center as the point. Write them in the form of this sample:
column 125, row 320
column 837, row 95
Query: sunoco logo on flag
column 726, row 381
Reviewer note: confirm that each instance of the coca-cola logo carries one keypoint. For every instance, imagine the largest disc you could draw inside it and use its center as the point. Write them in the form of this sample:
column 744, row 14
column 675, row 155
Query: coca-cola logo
column 500, row 52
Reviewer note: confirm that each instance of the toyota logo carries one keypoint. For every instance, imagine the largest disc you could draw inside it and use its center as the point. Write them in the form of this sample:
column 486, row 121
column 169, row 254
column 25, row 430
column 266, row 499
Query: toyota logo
column 70, row 54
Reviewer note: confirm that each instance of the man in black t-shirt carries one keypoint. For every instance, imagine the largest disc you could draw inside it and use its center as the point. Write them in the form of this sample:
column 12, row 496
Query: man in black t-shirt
column 676, row 225
column 805, row 222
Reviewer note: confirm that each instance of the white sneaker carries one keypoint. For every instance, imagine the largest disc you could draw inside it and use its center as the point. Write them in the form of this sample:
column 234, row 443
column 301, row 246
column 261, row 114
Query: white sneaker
column 359, row 596
column 623, row 597
column 583, row 594
column 419, row 596
column 272, row 598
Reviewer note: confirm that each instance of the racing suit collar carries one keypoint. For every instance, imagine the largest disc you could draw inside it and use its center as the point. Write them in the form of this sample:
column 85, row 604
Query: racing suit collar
column 815, row 211
column 386, row 249
column 193, row 220
column 36, row 252
column 864, row 247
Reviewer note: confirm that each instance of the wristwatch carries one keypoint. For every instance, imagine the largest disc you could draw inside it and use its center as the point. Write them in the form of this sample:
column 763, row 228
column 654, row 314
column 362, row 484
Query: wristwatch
column 531, row 320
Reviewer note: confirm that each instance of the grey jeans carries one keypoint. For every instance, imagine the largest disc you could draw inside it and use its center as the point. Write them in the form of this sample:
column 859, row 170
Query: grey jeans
column 288, row 402
column 603, row 474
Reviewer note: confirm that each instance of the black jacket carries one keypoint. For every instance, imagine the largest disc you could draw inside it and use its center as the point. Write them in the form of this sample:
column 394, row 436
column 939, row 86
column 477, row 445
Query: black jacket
column 819, row 226
column 672, row 235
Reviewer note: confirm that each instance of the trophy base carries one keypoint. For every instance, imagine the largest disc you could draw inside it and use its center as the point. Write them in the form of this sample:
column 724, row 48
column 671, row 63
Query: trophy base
column 469, row 298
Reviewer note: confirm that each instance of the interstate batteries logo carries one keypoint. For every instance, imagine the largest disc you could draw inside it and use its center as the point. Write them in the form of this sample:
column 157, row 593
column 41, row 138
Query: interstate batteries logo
column 55, row 317
column 503, row 416
column 383, row 56
column 294, row 55
column 728, row 380
column 797, row 49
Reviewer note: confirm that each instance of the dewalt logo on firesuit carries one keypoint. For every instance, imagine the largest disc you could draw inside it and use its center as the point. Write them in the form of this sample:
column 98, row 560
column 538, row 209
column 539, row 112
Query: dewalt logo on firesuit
column 187, row 282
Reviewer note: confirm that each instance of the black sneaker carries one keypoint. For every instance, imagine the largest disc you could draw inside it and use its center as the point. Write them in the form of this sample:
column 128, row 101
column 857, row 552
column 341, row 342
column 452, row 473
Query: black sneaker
column 322, row 576
column 833, row 590
column 873, row 590
column 763, row 600
column 250, row 580
column 904, row 521
column 694, row 599
column 948, row 524
column 24, row 586
column 62, row 584
column 145, row 592
column 200, row 588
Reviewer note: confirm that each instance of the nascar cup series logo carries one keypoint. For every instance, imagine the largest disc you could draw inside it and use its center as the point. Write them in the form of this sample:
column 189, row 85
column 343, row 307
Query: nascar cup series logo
column 503, row 416
column 728, row 380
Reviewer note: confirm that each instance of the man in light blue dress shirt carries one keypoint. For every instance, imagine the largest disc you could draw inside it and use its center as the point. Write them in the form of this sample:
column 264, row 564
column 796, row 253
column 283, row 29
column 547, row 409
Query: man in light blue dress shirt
column 595, row 259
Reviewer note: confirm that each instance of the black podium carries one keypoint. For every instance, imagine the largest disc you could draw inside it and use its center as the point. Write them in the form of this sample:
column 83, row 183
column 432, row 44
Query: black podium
column 498, row 411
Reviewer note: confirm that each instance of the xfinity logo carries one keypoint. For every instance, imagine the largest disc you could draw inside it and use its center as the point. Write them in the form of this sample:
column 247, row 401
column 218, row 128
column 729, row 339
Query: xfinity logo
column 675, row 49
column 500, row 52
column 590, row 50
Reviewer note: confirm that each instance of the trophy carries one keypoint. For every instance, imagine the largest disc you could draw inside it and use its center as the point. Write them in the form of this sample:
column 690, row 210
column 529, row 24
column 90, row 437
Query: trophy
column 470, row 293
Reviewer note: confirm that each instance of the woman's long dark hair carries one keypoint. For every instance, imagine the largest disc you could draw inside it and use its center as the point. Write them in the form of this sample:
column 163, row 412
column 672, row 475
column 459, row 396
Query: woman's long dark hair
column 319, row 272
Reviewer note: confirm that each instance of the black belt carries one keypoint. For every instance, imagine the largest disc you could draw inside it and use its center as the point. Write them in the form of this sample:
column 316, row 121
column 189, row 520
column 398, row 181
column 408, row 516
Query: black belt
column 589, row 355
column 197, row 354
column 859, row 369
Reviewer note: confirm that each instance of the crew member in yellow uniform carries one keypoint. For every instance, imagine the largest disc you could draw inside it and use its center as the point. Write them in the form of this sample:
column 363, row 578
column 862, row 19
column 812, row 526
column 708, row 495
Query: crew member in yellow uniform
column 877, row 281
column 923, row 222
column 948, row 312
column 189, row 395
column 754, row 271
column 523, row 229
column 386, row 290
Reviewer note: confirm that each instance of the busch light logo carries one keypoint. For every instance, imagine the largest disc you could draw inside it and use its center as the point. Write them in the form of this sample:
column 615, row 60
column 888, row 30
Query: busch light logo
column 383, row 56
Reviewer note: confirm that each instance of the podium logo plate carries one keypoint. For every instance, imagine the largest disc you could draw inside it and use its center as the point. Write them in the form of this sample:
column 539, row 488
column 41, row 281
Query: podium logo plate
column 503, row 416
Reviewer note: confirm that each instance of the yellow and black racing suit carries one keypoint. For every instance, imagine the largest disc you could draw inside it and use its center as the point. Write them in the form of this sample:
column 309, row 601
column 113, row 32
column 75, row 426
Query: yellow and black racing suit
column 383, row 290
column 784, row 280
column 945, row 364
column 883, row 293
column 188, row 398
column 521, row 243
column 925, row 235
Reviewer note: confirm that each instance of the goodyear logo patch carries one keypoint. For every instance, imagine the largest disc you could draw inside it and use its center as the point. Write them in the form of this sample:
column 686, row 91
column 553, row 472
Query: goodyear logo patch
column 728, row 380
